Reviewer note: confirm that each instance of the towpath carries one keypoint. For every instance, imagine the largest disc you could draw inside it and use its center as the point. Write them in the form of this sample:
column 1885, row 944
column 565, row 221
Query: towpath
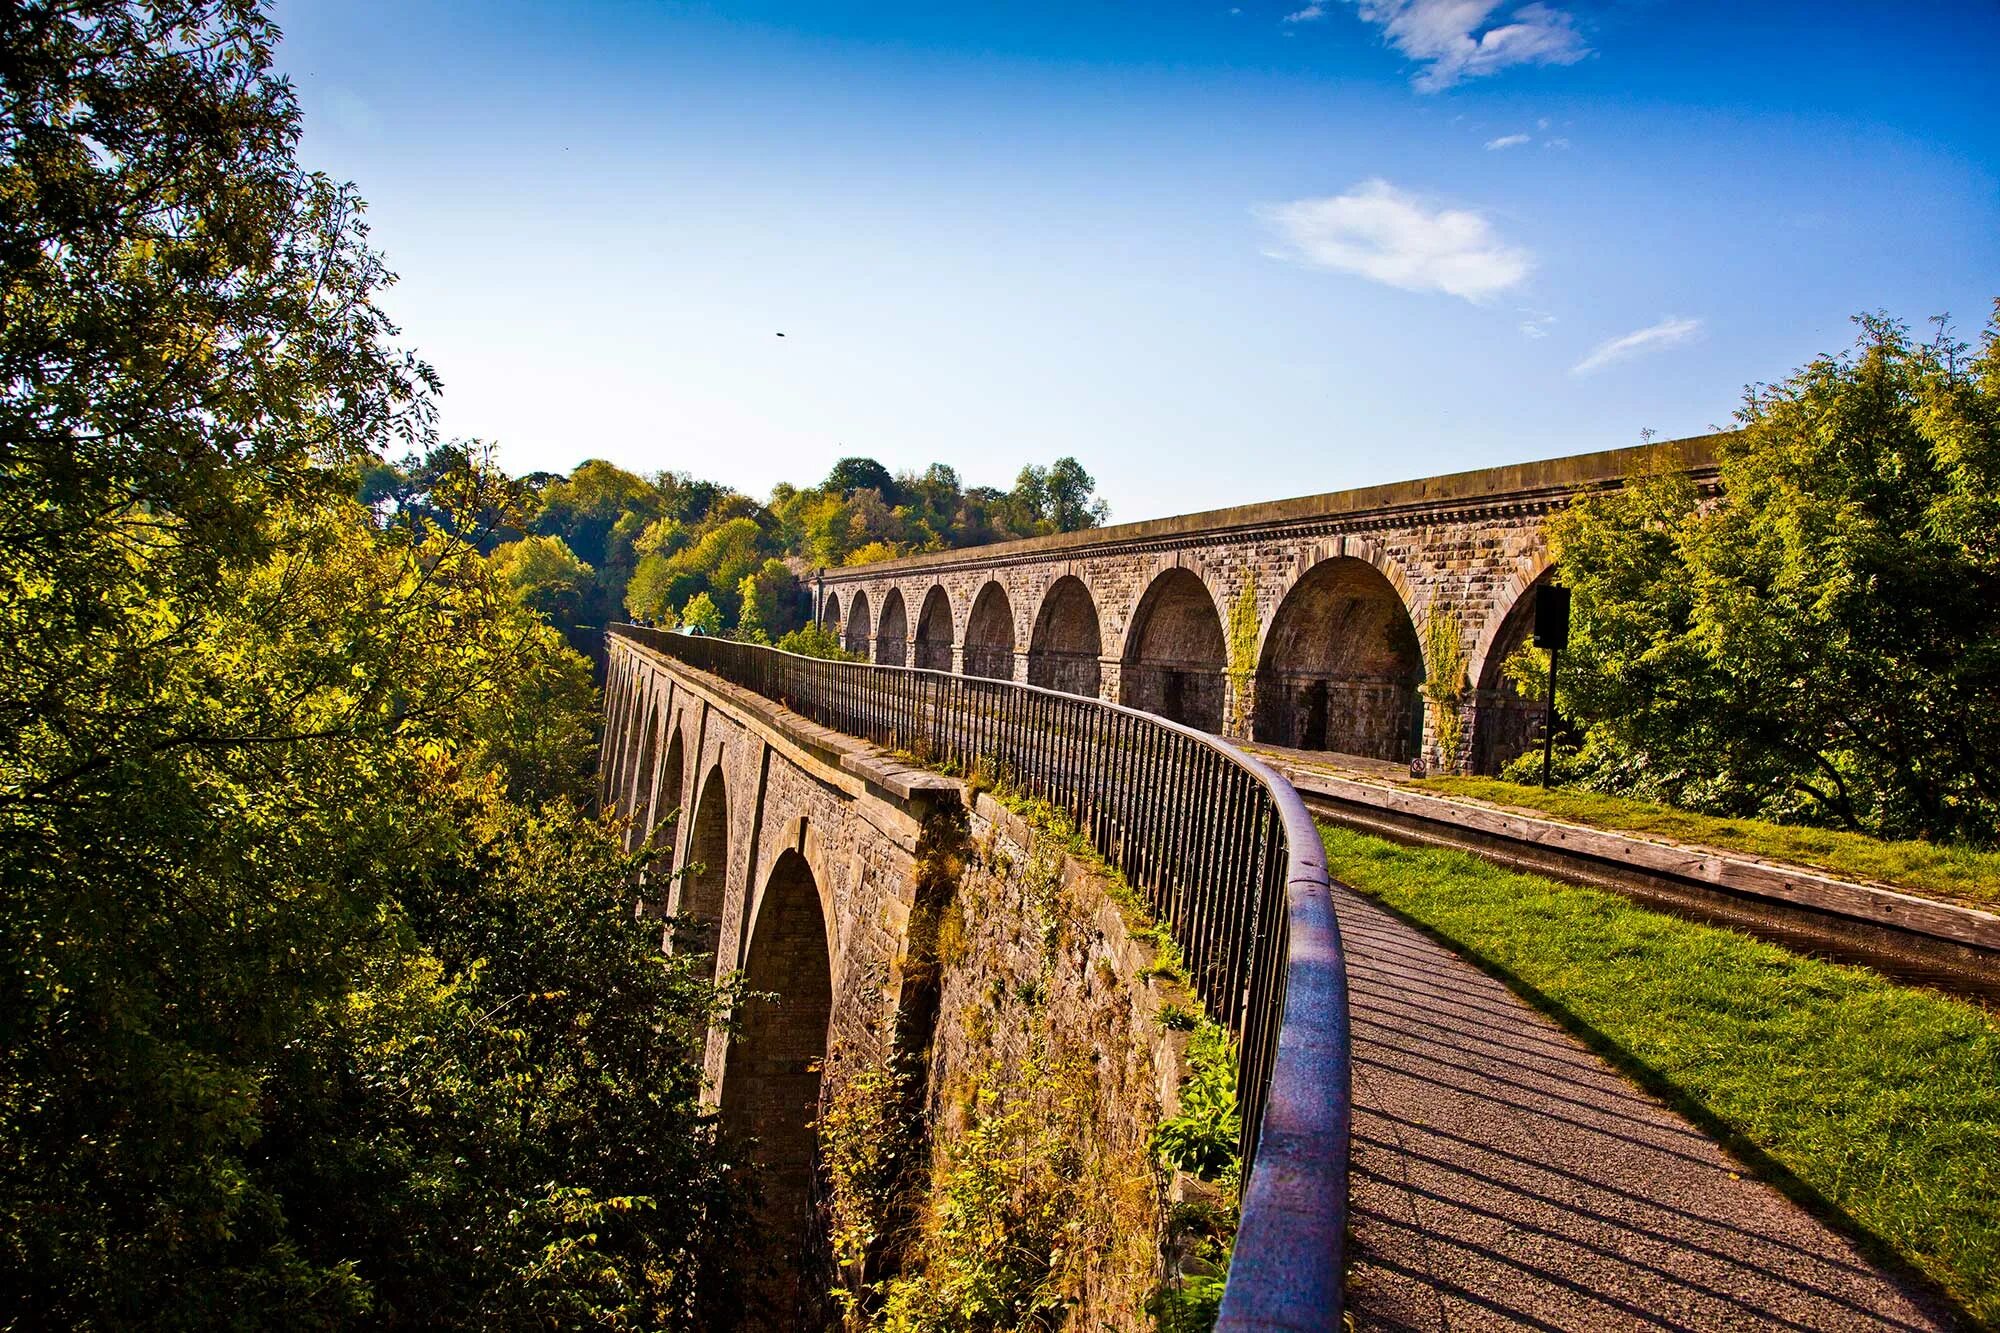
column 1506, row 1177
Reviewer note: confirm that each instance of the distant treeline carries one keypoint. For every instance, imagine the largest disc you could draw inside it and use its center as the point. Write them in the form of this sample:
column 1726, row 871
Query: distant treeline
column 604, row 544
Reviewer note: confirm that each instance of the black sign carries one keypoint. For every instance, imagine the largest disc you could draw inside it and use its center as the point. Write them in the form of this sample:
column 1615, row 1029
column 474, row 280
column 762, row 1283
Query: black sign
column 1551, row 617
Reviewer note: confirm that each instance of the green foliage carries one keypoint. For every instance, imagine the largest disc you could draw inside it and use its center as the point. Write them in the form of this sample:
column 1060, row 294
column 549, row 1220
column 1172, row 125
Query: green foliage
column 772, row 600
column 645, row 546
column 1820, row 643
column 1192, row 1306
column 547, row 577
column 1002, row 1200
column 1243, row 640
column 1881, row 1102
column 701, row 616
column 320, row 1005
column 1445, row 682
column 1202, row 1136
column 503, row 1126
column 816, row 641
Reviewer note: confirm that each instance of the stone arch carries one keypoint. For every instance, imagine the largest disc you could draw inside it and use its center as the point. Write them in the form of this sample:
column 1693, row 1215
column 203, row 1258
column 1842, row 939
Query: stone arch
column 829, row 613
column 645, row 778
column 892, row 637
column 934, row 631
column 1067, row 642
column 667, row 822
column 989, row 634
column 706, row 882
column 631, row 742
column 771, row 1083
column 1529, row 571
column 1175, row 654
column 1341, row 666
column 860, row 625
column 1505, row 723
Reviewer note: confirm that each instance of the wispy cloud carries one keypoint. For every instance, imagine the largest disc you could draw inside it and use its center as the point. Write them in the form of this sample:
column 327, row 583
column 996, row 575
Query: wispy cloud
column 1389, row 236
column 1669, row 332
column 1458, row 39
column 1536, row 325
column 1308, row 14
column 1506, row 141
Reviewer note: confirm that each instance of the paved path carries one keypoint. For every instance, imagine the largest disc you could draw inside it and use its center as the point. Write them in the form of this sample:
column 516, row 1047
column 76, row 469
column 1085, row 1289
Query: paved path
column 1505, row 1177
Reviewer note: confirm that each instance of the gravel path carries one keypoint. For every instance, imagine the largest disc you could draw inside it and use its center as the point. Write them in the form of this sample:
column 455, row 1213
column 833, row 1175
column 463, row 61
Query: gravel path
column 1506, row 1177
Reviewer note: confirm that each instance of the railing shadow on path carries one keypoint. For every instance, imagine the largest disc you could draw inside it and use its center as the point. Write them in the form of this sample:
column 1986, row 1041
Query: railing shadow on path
column 1505, row 1176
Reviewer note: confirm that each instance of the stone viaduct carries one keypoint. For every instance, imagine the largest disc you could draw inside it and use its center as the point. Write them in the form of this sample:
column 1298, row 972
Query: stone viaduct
column 820, row 869
column 1312, row 623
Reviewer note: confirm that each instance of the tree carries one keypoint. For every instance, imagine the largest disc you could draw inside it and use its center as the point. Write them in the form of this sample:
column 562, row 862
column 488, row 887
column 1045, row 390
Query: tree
column 860, row 474
column 772, row 600
column 817, row 641
column 282, row 771
column 584, row 509
column 701, row 615
column 1070, row 504
column 547, row 577
column 1822, row 640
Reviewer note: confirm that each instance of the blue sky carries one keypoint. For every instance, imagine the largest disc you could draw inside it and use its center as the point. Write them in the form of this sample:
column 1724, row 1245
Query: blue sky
column 1219, row 253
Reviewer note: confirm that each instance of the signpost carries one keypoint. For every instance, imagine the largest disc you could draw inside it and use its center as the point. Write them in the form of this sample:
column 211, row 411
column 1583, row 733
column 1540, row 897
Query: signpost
column 1552, row 633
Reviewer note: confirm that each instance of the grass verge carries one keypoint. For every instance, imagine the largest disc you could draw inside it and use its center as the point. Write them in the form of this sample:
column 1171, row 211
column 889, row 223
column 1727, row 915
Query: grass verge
column 1958, row 874
column 1871, row 1101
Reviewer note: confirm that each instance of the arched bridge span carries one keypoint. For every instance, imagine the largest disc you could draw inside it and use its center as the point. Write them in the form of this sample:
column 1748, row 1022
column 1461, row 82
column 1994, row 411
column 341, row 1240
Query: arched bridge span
column 1308, row 623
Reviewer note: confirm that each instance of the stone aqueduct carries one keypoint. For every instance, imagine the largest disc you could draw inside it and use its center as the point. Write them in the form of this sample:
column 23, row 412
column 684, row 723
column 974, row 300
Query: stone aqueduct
column 1305, row 623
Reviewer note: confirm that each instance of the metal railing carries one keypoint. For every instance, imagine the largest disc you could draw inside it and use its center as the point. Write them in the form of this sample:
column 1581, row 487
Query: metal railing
column 1222, row 851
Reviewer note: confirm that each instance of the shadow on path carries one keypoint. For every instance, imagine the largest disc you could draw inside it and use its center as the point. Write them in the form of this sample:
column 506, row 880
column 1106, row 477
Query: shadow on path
column 1505, row 1177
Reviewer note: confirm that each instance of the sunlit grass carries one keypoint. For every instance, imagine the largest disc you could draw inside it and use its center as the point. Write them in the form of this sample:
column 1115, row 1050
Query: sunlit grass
column 1916, row 867
column 1868, row 1100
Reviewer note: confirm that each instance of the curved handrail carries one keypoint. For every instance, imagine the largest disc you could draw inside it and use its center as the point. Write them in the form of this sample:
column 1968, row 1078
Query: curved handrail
column 1237, row 875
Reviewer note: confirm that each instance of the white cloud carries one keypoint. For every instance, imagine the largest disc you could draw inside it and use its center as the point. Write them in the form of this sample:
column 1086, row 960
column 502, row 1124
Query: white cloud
column 1308, row 14
column 1555, row 143
column 1389, row 236
column 1536, row 325
column 1456, row 39
column 1669, row 332
column 1506, row 141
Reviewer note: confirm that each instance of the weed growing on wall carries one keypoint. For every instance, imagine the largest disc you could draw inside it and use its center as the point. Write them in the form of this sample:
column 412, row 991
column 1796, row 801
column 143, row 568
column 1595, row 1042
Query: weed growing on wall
column 1445, row 682
column 1201, row 1139
column 1242, row 644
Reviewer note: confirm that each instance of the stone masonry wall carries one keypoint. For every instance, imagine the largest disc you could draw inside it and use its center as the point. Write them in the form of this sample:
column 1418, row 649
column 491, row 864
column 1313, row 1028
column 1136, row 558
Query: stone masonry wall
column 1021, row 989
column 1049, row 1070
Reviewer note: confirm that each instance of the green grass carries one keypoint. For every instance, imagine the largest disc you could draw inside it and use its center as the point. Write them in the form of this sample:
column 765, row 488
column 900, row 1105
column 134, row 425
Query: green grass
column 1955, row 873
column 1867, row 1100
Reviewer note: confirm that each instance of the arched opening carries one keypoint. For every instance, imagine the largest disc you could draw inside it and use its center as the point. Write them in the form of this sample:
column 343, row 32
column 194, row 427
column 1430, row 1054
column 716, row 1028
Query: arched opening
column 699, row 920
column 829, row 613
column 644, row 778
column 771, row 1083
column 1506, row 723
column 666, row 824
column 631, row 751
column 859, row 625
column 934, row 632
column 1174, row 654
column 1064, row 650
column 892, row 640
column 1341, row 667
column 989, row 635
